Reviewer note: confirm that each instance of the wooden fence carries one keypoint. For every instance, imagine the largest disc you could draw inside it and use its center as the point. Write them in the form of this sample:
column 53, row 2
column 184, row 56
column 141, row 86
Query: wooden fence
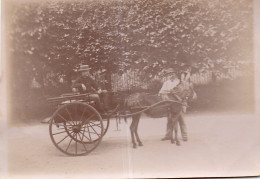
column 131, row 79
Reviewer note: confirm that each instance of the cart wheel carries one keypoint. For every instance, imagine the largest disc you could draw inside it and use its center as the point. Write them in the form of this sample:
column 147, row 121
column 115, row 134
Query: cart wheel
column 76, row 128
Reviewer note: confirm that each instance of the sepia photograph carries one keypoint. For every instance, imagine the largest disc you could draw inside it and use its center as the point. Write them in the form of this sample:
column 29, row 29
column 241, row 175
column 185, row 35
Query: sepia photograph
column 129, row 89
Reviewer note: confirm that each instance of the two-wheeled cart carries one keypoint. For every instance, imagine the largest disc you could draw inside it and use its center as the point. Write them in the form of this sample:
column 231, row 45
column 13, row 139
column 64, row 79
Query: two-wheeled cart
column 76, row 127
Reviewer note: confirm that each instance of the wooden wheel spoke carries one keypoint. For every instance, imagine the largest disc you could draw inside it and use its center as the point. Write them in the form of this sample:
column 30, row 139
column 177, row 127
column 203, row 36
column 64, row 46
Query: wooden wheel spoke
column 69, row 143
column 88, row 119
column 80, row 121
column 63, row 139
column 99, row 125
column 59, row 133
column 83, row 134
column 64, row 127
column 63, row 118
column 76, row 146
column 69, row 130
column 64, row 124
column 70, row 116
column 80, row 136
column 89, row 133
column 76, row 111
column 95, row 132
column 82, row 142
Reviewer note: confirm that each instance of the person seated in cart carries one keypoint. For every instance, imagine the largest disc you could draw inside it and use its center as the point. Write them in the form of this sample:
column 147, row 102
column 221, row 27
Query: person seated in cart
column 86, row 84
column 166, row 92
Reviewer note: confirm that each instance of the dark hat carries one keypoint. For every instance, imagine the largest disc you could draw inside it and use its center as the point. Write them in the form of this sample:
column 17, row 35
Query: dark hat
column 84, row 68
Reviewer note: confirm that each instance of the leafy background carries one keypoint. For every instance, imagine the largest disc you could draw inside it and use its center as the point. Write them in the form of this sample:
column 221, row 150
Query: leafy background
column 48, row 39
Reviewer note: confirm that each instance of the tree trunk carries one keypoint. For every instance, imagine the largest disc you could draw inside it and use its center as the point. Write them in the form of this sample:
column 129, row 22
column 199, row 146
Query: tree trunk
column 214, row 77
column 43, row 84
column 108, row 78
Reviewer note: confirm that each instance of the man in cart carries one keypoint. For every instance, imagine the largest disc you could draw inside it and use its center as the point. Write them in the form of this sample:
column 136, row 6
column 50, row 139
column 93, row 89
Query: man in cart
column 166, row 93
column 86, row 84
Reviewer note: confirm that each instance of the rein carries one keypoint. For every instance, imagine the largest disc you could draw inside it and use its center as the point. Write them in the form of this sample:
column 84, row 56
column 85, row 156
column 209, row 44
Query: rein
column 154, row 105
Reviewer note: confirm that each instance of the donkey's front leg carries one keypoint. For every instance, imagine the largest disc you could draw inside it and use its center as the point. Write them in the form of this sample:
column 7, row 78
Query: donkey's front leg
column 176, row 134
column 174, row 121
column 171, row 129
column 132, row 129
column 169, row 133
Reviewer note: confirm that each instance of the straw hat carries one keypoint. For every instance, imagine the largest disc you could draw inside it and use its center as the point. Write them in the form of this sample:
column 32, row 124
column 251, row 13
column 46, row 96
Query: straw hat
column 170, row 71
column 84, row 68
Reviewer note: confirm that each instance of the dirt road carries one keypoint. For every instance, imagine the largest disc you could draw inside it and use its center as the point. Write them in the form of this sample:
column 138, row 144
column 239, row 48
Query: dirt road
column 223, row 145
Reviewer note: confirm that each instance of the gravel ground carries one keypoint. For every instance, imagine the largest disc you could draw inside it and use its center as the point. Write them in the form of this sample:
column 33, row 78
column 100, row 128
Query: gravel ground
column 219, row 145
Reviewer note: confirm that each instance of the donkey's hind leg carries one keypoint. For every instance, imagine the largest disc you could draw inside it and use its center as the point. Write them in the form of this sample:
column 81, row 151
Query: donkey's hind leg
column 132, row 129
column 135, row 131
column 176, row 133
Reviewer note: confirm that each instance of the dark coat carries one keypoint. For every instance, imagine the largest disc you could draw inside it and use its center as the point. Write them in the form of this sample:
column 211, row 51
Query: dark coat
column 91, row 85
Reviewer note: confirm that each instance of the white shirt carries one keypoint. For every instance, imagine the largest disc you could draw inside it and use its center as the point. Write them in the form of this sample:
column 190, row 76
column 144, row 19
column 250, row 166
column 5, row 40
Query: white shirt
column 168, row 86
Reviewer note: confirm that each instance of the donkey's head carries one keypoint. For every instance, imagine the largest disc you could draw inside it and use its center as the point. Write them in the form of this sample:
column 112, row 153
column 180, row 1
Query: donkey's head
column 185, row 89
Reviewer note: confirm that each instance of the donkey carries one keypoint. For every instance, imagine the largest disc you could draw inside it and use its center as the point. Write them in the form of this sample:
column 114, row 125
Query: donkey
column 173, row 109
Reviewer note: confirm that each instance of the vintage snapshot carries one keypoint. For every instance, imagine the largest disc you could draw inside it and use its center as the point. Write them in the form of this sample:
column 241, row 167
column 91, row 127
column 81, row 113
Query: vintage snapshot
column 130, row 89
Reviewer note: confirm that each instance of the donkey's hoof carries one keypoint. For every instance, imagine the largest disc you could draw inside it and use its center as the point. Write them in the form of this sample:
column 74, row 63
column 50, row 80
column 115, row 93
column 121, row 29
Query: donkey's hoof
column 173, row 141
column 134, row 146
column 141, row 144
column 178, row 143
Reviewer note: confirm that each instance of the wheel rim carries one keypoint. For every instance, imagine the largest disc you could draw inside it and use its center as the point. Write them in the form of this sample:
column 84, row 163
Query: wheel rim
column 76, row 129
column 106, row 122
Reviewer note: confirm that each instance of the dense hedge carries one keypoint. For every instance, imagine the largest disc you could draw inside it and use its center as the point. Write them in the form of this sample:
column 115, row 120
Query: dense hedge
column 47, row 40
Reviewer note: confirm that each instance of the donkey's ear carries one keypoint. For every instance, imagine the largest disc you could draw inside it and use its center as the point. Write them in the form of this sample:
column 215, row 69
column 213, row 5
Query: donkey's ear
column 183, row 77
column 187, row 77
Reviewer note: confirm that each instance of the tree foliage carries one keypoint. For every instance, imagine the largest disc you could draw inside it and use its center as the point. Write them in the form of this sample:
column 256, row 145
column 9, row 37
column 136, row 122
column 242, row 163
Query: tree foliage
column 54, row 37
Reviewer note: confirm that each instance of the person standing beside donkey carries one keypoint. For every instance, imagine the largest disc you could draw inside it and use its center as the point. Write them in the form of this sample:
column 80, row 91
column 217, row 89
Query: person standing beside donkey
column 167, row 87
column 166, row 93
